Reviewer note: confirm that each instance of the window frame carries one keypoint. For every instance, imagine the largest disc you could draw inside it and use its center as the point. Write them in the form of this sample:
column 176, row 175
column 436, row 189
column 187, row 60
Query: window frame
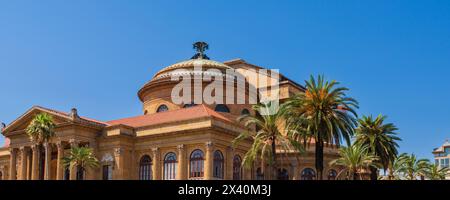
column 145, row 168
column 196, row 164
column 170, row 166
column 218, row 164
column 162, row 108
column 308, row 176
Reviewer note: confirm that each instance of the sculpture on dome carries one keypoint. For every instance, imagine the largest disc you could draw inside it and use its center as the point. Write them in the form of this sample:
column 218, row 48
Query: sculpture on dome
column 200, row 47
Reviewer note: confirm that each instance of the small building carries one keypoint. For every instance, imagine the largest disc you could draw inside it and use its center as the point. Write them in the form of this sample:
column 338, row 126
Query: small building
column 442, row 156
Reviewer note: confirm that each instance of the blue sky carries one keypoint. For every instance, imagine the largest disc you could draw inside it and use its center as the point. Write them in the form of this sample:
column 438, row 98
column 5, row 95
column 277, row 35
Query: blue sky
column 95, row 55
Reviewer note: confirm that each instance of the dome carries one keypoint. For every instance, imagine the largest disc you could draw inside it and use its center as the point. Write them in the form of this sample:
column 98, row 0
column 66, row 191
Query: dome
column 189, row 65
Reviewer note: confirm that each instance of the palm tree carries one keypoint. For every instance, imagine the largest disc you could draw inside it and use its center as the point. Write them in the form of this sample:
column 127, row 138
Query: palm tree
column 80, row 158
column 395, row 169
column 41, row 130
column 434, row 172
column 354, row 160
column 411, row 166
column 266, row 131
column 380, row 138
column 325, row 113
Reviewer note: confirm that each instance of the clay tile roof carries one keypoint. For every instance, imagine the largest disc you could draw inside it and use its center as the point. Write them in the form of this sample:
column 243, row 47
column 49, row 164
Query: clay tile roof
column 183, row 114
column 7, row 142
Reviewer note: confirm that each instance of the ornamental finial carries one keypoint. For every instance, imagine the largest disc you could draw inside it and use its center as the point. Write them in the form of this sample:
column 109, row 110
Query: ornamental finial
column 200, row 47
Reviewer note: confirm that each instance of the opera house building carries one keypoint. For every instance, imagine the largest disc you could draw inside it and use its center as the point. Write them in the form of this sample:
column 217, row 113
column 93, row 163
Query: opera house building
column 168, row 141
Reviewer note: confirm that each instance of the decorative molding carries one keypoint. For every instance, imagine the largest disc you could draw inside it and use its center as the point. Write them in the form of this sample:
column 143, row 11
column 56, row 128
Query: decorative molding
column 180, row 147
column 230, row 149
column 118, row 151
column 209, row 145
column 13, row 151
column 107, row 158
column 73, row 142
column 59, row 144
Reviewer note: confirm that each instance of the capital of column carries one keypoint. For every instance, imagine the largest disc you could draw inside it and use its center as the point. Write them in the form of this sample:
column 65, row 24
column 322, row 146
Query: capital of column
column 209, row 146
column 230, row 148
column 46, row 145
column 34, row 147
column 74, row 143
column 155, row 150
column 23, row 148
column 118, row 151
column 59, row 144
column 13, row 151
column 180, row 147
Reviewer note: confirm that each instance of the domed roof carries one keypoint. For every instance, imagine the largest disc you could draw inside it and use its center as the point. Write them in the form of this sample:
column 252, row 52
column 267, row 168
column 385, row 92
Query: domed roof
column 205, row 64
column 190, row 68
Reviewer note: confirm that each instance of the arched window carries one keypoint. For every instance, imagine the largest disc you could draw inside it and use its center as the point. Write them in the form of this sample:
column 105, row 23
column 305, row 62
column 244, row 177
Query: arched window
column 189, row 105
column 283, row 174
column 332, row 174
column 245, row 112
column 237, row 168
column 222, row 108
column 145, row 168
column 218, row 165
column 162, row 108
column 170, row 166
column 196, row 164
column 308, row 174
column 259, row 174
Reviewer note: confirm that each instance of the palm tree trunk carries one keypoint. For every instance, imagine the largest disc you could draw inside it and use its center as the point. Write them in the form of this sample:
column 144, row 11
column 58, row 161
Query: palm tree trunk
column 391, row 173
column 274, row 162
column 373, row 173
column 319, row 157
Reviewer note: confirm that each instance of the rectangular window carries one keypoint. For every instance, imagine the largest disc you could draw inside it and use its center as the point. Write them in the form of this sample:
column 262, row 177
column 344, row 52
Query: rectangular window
column 447, row 151
column 446, row 162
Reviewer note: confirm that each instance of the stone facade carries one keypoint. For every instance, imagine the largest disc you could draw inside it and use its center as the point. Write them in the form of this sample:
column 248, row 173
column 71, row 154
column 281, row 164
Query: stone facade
column 171, row 142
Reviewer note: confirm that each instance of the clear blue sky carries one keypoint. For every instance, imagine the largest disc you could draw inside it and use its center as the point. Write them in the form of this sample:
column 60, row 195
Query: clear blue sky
column 95, row 55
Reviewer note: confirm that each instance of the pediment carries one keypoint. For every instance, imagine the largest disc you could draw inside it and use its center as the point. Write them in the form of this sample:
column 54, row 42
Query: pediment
column 24, row 120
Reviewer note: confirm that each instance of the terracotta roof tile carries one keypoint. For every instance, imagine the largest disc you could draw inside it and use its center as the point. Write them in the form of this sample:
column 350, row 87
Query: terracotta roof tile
column 183, row 114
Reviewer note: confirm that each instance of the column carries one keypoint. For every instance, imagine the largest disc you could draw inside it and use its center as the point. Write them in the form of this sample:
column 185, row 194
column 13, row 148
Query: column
column 229, row 163
column 73, row 169
column 156, row 164
column 119, row 164
column 35, row 162
column 294, row 171
column 92, row 172
column 182, row 169
column 209, row 161
column 12, row 164
column 48, row 154
column 23, row 163
column 59, row 164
